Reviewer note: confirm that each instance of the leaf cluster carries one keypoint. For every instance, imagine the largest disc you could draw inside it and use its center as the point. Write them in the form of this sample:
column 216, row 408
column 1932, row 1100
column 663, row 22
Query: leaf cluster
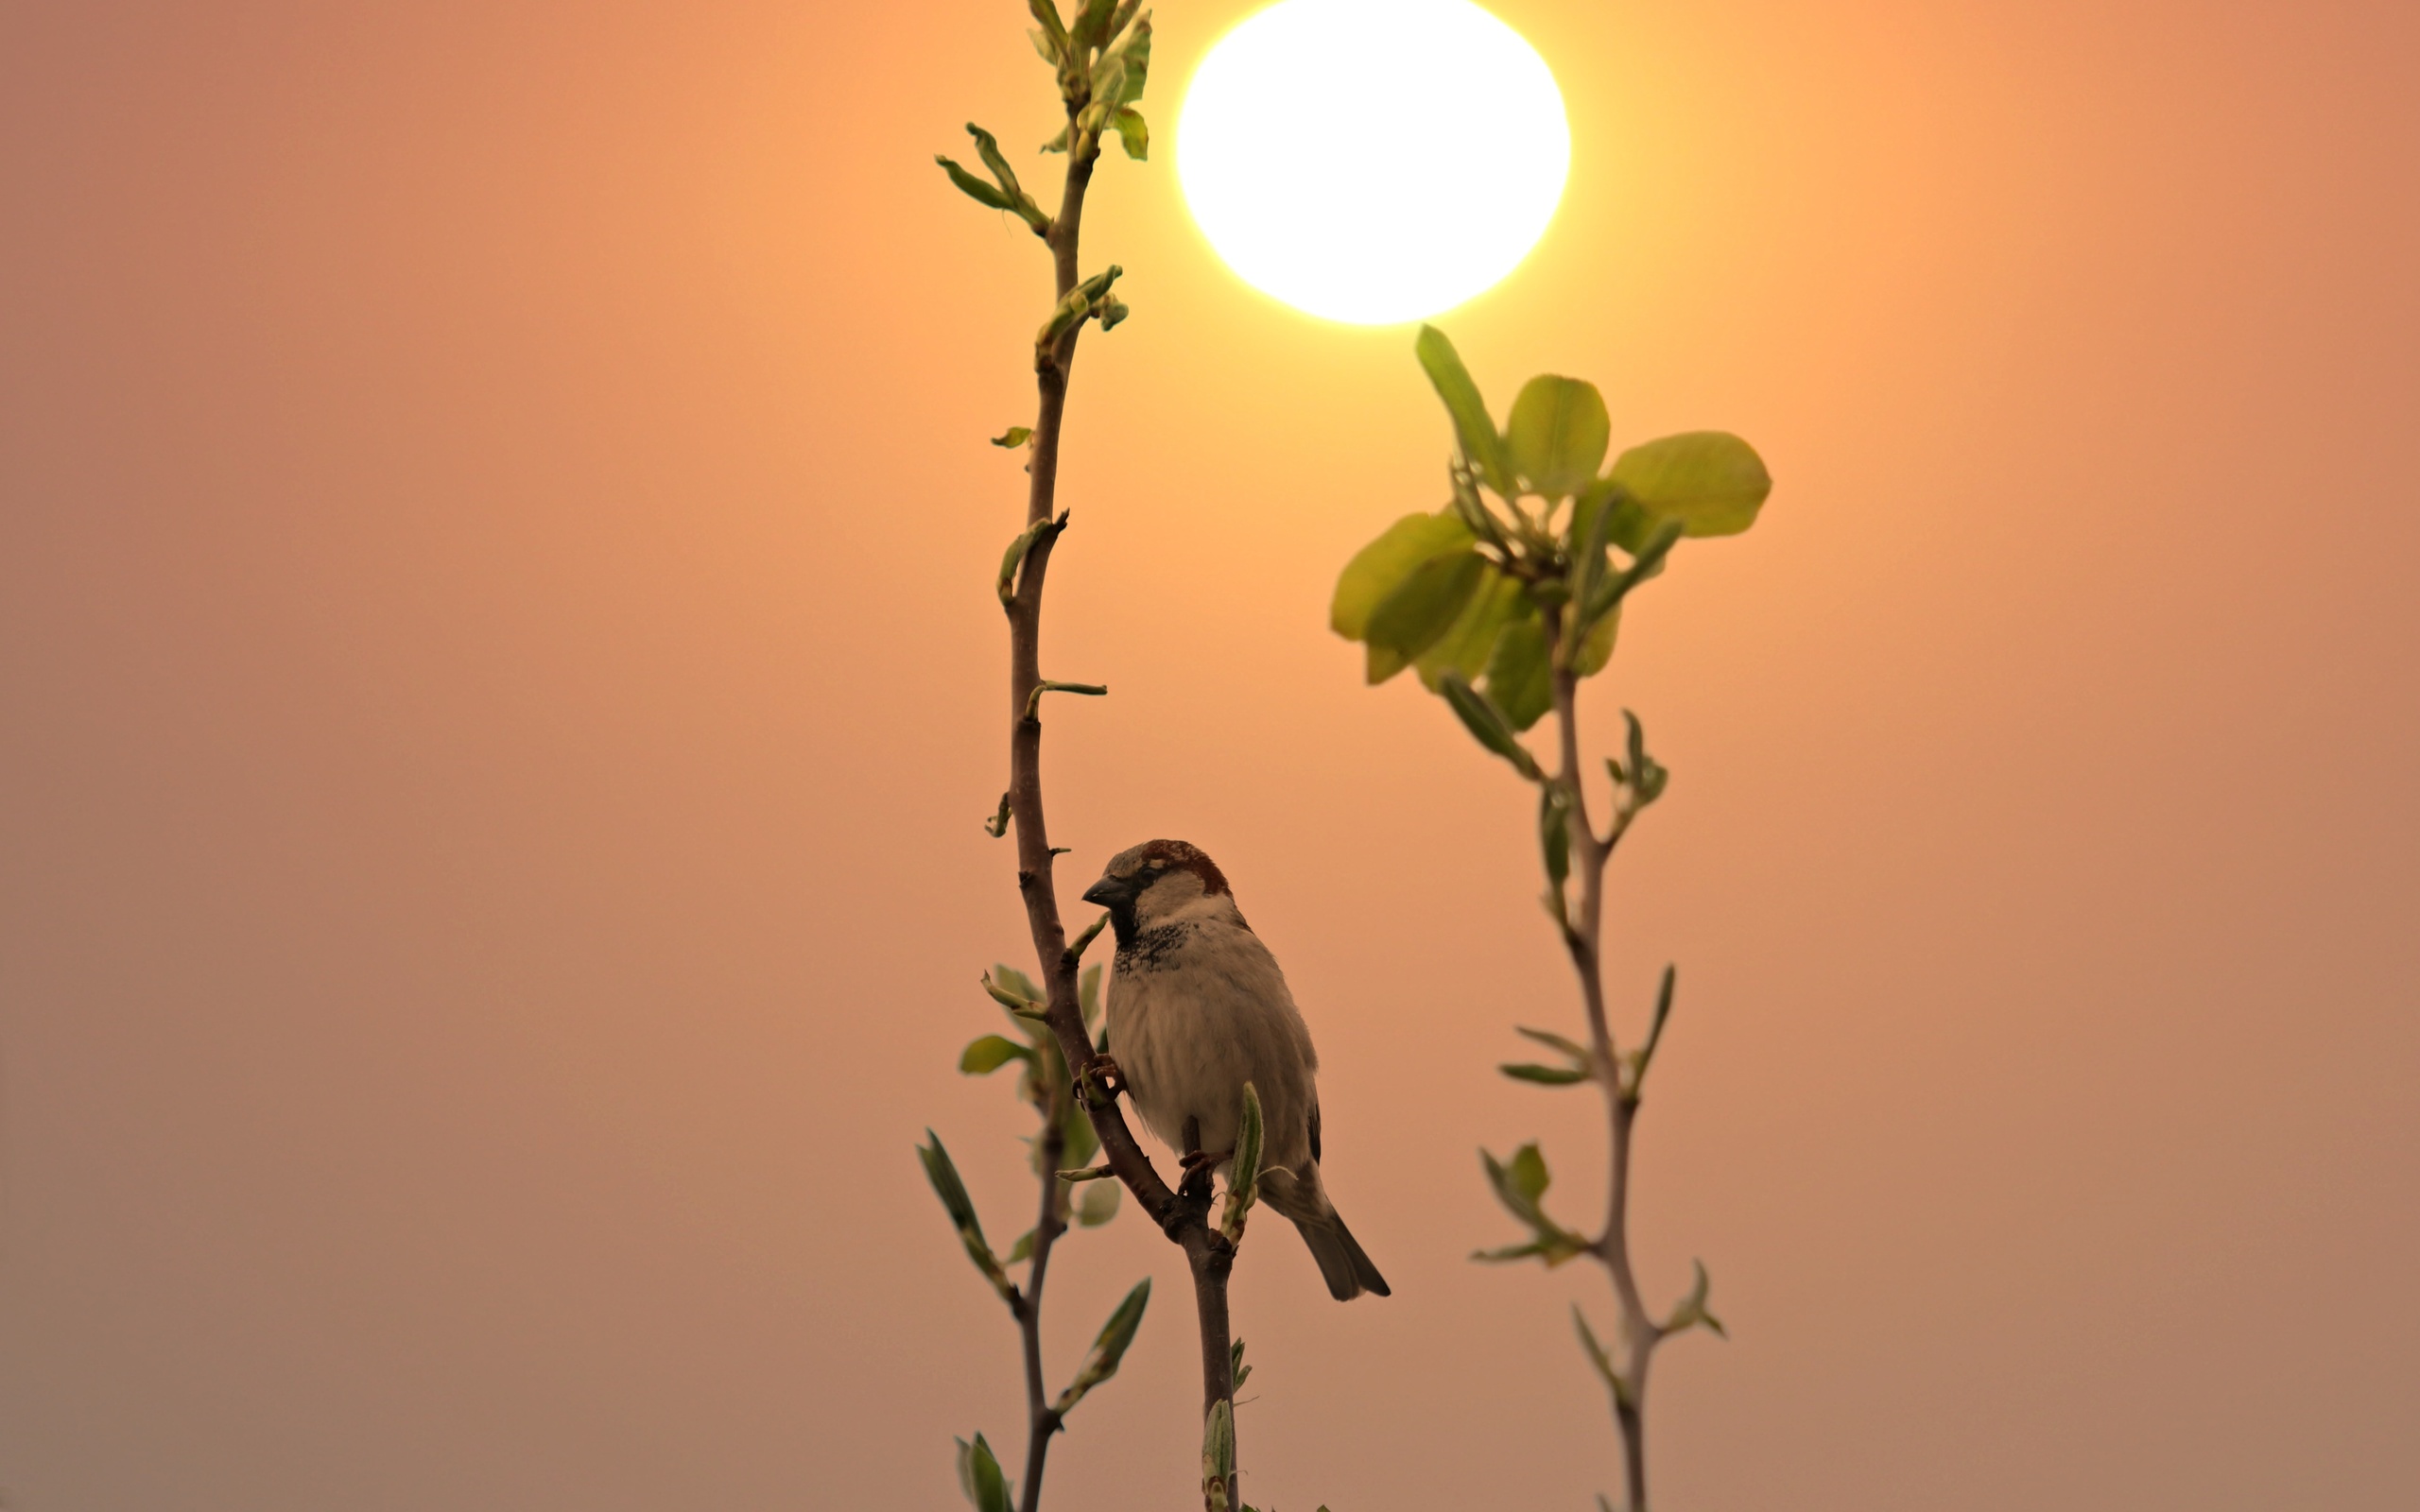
column 1521, row 576
column 1103, row 61
column 1521, row 1185
column 1042, row 1081
column 1046, row 1085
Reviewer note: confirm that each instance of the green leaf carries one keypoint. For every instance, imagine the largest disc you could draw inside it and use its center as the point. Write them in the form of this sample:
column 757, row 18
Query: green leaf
column 1016, row 983
column 1472, row 426
column 1520, row 681
column 1008, row 998
column 1021, row 1251
column 1047, row 11
column 1379, row 568
column 1098, row 1204
column 1573, row 1048
column 1627, row 525
column 1237, row 1372
column 989, row 1053
column 943, row 1173
column 1058, row 142
column 1529, row 1173
column 1649, row 560
column 1554, row 833
column 1487, row 725
column 988, row 148
column 1499, row 1175
column 1585, row 542
column 1421, row 609
column 1647, row 775
column 1088, row 994
column 1602, row 1361
column 1243, row 1172
column 1133, row 132
column 1075, row 306
column 1597, row 648
column 1546, row 1076
column 1109, row 1346
column 1042, row 45
column 1470, row 640
column 1091, row 23
column 1645, row 1054
column 1711, row 481
column 1219, row 1451
column 1075, row 952
column 1558, row 435
column 1597, row 1355
column 1519, row 1184
column 1134, row 53
column 1010, row 559
column 974, row 189
column 1119, row 22
column 1119, row 77
column 1014, row 436
column 1692, row 1313
column 979, row 1477
column 1082, row 1142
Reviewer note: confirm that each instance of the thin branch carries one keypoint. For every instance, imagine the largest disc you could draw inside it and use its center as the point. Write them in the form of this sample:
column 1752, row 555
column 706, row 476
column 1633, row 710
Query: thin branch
column 1041, row 1419
column 1640, row 1333
column 1184, row 1217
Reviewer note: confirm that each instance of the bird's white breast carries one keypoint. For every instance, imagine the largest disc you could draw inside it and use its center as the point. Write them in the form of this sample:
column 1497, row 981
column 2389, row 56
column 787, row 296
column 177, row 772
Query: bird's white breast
column 1196, row 1009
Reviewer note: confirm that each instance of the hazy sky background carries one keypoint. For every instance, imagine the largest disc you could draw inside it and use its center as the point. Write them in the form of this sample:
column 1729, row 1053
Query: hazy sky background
column 498, row 683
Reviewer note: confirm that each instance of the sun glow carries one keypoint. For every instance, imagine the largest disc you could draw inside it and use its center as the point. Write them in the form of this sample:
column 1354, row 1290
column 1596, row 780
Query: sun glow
column 1372, row 160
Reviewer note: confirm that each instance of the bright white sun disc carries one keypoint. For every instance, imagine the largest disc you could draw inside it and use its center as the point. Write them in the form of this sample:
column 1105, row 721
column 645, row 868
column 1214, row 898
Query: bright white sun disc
column 1372, row 160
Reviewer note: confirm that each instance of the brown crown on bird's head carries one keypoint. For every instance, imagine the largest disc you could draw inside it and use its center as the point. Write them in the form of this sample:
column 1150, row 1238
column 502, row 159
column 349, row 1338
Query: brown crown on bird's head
column 1150, row 881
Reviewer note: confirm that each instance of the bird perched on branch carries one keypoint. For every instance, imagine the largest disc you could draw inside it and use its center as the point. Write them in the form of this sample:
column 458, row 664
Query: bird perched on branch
column 1198, row 1007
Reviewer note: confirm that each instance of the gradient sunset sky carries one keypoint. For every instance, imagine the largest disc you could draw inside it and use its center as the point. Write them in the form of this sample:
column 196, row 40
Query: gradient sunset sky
column 499, row 682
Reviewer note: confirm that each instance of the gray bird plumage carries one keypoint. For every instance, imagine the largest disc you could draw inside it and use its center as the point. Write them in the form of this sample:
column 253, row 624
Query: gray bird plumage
column 1197, row 1008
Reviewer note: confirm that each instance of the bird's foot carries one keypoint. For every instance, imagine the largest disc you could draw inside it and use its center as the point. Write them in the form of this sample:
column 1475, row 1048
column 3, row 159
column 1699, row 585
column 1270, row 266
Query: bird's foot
column 1106, row 1075
column 1198, row 1165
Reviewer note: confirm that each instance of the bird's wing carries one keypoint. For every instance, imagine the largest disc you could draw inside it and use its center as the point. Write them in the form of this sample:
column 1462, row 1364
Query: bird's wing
column 1315, row 1126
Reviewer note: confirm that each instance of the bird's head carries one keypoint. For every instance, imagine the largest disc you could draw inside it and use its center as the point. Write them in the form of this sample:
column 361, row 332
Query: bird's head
column 1160, row 882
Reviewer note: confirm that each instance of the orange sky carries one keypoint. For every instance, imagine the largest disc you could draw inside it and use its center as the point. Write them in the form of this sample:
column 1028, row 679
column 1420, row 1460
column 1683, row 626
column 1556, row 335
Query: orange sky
column 500, row 683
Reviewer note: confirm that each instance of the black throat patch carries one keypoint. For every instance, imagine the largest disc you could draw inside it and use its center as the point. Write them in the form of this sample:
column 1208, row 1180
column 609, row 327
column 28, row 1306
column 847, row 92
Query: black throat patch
column 1150, row 949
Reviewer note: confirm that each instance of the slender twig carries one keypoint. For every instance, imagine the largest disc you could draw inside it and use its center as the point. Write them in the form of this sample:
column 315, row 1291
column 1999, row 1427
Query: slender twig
column 1183, row 1217
column 1583, row 937
column 1041, row 1419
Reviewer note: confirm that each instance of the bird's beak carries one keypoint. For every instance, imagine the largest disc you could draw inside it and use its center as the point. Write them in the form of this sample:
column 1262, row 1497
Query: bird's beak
column 1107, row 892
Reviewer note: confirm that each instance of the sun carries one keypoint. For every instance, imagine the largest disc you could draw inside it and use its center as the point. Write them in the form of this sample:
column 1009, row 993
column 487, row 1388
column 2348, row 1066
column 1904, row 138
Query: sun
column 1372, row 160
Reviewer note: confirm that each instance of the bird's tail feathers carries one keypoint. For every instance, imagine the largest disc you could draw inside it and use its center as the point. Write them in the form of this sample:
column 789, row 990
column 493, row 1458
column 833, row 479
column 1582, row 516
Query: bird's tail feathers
column 1344, row 1265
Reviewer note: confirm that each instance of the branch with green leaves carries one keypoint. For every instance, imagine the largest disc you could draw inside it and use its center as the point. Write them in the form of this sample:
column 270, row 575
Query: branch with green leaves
column 1100, row 54
column 1065, row 1136
column 1502, row 602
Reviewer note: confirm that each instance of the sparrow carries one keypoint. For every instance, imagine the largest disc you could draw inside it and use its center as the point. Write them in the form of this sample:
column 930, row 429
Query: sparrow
column 1198, row 1007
